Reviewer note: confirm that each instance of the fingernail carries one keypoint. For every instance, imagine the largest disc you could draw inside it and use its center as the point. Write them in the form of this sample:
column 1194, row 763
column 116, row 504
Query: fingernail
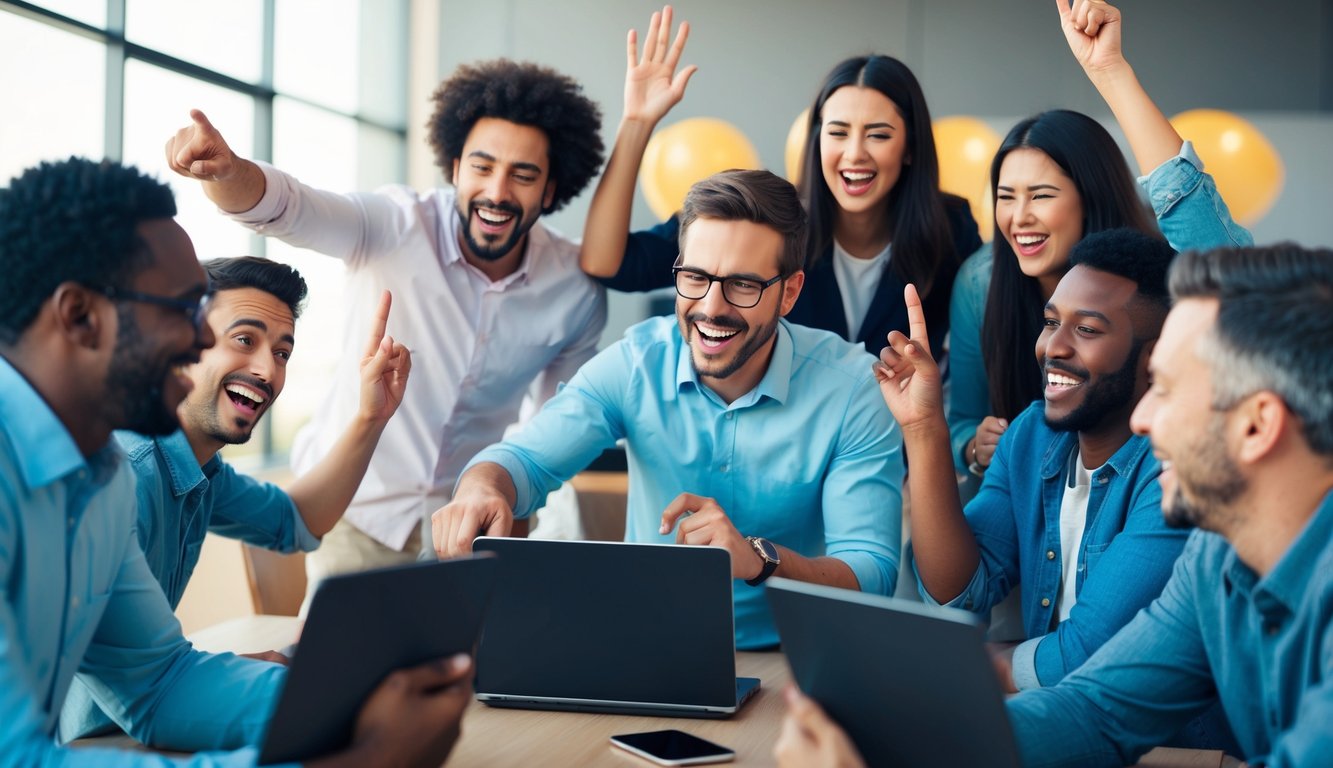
column 459, row 662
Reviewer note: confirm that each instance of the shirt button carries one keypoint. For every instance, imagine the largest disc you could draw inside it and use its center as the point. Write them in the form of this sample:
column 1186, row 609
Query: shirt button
column 1050, row 554
column 1046, row 602
column 725, row 467
column 729, row 415
column 74, row 602
column 1101, row 479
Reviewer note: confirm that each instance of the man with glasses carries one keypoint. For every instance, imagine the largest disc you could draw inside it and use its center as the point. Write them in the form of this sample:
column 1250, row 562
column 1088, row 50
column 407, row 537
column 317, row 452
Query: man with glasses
column 100, row 313
column 743, row 431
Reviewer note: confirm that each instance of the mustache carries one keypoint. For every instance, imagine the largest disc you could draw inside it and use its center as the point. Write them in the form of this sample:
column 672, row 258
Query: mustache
column 509, row 208
column 249, row 381
column 730, row 323
column 1056, row 365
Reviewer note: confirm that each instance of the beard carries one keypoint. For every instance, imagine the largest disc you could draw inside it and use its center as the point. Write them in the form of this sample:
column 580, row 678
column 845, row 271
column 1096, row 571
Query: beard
column 203, row 415
column 134, row 382
column 1104, row 396
column 753, row 344
column 1213, row 478
column 490, row 248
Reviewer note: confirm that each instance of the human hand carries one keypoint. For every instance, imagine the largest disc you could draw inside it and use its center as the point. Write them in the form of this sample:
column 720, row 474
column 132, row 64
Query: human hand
column 810, row 739
column 700, row 521
column 198, row 151
column 909, row 378
column 414, row 716
column 270, row 656
column 987, row 438
column 652, row 85
column 1092, row 28
column 1002, row 659
column 470, row 514
column 385, row 366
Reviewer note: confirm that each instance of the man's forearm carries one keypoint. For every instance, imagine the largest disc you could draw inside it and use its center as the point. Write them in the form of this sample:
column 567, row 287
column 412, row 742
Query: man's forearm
column 945, row 549
column 323, row 494
column 829, row 571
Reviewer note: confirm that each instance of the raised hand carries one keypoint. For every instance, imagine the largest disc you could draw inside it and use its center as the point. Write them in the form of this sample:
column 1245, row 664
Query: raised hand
column 652, row 84
column 700, row 521
column 1092, row 29
column 198, row 151
column 909, row 378
column 385, row 366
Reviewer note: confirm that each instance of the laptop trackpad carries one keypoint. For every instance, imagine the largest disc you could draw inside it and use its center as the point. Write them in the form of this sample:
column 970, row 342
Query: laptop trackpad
column 745, row 688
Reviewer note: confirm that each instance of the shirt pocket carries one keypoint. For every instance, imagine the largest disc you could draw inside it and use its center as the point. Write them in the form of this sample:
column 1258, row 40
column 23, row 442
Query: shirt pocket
column 1091, row 556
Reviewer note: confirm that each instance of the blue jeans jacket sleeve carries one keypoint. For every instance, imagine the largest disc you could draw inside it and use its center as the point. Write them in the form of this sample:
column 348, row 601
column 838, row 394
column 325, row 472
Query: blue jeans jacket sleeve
column 1189, row 211
column 969, row 397
column 258, row 513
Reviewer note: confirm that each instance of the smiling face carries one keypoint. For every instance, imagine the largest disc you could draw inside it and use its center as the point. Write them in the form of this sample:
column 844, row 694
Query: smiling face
column 862, row 148
column 503, row 183
column 1088, row 352
column 236, row 382
column 1040, row 214
column 146, row 379
column 730, row 346
column 1199, row 476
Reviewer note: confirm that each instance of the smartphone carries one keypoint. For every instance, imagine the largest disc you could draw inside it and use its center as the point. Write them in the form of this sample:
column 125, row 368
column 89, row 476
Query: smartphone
column 673, row 748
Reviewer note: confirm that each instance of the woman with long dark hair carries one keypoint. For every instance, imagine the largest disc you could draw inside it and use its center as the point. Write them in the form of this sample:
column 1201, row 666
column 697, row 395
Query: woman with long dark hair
column 870, row 182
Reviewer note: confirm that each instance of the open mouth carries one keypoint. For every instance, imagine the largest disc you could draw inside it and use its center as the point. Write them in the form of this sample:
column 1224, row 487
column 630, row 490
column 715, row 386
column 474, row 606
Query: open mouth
column 857, row 182
column 713, row 339
column 1059, row 384
column 492, row 220
column 245, row 399
column 1029, row 244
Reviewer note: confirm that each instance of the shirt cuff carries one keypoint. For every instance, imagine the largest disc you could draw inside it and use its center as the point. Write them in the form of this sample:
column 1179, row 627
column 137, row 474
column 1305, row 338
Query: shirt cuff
column 271, row 205
column 873, row 572
column 302, row 539
column 1023, row 665
column 1171, row 181
column 523, row 495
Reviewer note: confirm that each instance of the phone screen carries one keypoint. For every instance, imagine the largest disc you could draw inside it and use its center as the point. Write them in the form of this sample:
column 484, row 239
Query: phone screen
column 673, row 747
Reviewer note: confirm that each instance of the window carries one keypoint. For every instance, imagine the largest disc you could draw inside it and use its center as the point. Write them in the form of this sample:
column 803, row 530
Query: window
column 316, row 86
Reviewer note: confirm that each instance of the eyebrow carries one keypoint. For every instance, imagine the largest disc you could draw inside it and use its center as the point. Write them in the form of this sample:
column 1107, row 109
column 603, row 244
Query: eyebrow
column 488, row 157
column 735, row 275
column 1034, row 186
column 1050, row 307
column 844, row 124
column 261, row 325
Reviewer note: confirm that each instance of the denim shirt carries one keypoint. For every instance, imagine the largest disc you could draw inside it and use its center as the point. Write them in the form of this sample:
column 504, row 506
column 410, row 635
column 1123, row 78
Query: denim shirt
column 1124, row 559
column 1191, row 215
column 1263, row 645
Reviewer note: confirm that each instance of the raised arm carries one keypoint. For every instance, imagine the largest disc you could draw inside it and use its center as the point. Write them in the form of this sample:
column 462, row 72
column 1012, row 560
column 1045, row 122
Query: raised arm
column 198, row 151
column 652, row 88
column 909, row 379
column 322, row 494
column 1092, row 29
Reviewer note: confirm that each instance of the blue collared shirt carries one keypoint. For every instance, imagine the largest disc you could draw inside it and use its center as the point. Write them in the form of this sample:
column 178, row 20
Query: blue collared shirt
column 1124, row 559
column 179, row 502
column 78, row 597
column 809, row 459
column 1263, row 645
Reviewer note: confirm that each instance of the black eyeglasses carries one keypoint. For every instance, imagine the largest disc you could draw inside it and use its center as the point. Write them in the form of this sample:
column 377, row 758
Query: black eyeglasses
column 742, row 292
column 196, row 309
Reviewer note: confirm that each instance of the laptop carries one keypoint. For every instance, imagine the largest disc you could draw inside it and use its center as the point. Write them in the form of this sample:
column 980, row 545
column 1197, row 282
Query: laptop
column 360, row 628
column 591, row 626
column 911, row 684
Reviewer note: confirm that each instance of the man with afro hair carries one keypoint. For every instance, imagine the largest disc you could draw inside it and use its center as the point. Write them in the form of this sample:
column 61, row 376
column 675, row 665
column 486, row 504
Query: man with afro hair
column 493, row 304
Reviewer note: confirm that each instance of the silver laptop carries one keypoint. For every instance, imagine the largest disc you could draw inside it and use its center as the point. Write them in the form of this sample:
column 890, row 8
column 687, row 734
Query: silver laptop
column 640, row 629
column 911, row 684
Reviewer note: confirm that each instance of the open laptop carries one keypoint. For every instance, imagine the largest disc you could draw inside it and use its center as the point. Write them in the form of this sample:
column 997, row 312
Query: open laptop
column 911, row 684
column 638, row 629
column 360, row 628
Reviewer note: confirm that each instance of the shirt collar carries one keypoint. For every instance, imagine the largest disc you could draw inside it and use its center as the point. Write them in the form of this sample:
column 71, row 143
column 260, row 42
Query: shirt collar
column 776, row 381
column 186, row 474
column 45, row 450
column 1288, row 580
column 1122, row 462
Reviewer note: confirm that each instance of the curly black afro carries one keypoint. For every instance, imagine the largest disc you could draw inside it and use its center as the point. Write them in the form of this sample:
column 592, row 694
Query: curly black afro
column 72, row 220
column 526, row 94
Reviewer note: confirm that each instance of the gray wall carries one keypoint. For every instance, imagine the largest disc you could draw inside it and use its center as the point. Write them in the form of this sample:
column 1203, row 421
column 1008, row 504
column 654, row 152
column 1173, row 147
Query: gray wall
column 761, row 60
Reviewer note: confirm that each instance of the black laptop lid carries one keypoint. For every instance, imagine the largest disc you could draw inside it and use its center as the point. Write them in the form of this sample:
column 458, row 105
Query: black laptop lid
column 361, row 627
column 607, row 621
column 912, row 685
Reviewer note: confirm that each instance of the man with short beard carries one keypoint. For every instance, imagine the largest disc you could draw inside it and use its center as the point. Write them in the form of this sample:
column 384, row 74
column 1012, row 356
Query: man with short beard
column 101, row 305
column 186, row 490
column 743, row 431
column 492, row 302
column 1069, row 508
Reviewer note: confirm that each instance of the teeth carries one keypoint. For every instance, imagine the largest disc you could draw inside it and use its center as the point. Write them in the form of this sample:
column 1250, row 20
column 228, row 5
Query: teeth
column 1029, row 239
column 248, row 394
column 857, row 175
column 715, row 335
column 1058, row 380
column 493, row 218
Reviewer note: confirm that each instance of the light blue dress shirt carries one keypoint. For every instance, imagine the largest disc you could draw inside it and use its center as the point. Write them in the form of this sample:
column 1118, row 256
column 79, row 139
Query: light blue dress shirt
column 78, row 597
column 1264, row 646
column 809, row 459
column 1191, row 215
column 179, row 502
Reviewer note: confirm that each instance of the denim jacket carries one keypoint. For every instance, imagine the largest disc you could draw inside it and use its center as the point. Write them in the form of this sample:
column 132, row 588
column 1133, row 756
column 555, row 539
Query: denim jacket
column 1124, row 559
column 1191, row 215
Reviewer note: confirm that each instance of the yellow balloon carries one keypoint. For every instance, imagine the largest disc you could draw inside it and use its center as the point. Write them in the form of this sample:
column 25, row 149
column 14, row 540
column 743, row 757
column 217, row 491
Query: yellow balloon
column 966, row 146
column 796, row 146
column 687, row 152
column 1246, row 167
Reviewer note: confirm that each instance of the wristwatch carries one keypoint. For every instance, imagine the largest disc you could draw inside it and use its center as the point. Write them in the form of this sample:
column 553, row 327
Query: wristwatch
column 769, row 554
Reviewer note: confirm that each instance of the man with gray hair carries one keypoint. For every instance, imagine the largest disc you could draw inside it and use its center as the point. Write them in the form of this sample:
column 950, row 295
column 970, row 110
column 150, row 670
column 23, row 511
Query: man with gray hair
column 743, row 431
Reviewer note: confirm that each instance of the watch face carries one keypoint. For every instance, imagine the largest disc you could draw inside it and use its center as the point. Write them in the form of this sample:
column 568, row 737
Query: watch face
column 766, row 549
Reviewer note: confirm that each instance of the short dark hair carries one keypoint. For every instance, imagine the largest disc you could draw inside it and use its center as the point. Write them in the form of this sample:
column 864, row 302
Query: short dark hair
column 757, row 196
column 1131, row 254
column 525, row 94
column 271, row 277
column 1274, row 327
column 72, row 220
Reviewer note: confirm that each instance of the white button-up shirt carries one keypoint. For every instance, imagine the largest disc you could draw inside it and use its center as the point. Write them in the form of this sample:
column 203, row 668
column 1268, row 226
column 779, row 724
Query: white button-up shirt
column 477, row 346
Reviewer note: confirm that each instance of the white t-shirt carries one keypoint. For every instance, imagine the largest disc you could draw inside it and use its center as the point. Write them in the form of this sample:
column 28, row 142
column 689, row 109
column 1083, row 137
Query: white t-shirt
column 858, row 279
column 1073, row 521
